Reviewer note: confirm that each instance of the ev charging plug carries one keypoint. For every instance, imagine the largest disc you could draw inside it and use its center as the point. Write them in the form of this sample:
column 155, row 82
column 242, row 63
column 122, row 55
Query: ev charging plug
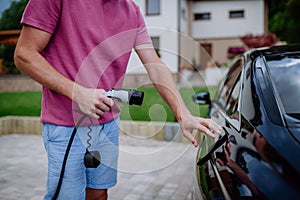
column 127, row 96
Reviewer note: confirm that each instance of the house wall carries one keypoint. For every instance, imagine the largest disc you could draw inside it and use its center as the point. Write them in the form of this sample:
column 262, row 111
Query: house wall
column 164, row 26
column 222, row 32
column 188, row 46
column 221, row 26
column 219, row 48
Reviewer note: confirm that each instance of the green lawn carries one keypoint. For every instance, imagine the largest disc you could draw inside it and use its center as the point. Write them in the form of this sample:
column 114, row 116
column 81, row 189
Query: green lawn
column 153, row 108
column 20, row 103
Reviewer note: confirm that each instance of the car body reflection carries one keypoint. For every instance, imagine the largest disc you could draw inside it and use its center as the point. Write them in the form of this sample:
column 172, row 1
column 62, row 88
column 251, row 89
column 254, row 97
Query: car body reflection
column 258, row 106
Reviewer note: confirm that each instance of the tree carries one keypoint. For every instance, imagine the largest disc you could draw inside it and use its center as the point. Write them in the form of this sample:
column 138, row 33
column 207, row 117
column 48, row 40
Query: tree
column 293, row 18
column 11, row 17
column 284, row 19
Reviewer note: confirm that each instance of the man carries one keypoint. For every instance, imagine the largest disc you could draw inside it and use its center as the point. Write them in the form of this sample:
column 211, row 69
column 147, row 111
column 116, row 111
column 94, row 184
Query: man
column 78, row 50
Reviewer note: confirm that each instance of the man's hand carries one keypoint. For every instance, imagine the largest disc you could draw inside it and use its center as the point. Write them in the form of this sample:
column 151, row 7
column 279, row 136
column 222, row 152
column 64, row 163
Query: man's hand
column 189, row 123
column 92, row 102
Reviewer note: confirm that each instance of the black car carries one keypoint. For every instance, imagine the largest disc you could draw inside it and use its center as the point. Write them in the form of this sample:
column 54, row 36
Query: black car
column 257, row 156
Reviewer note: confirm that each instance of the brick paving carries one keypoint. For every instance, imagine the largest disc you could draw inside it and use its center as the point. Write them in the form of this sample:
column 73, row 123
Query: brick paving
column 148, row 169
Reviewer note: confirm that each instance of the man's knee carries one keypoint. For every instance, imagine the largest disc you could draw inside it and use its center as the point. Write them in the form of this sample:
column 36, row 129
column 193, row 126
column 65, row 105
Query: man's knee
column 96, row 194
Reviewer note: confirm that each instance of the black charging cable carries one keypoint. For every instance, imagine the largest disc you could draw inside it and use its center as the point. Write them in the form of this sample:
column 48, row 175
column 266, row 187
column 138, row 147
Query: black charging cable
column 66, row 157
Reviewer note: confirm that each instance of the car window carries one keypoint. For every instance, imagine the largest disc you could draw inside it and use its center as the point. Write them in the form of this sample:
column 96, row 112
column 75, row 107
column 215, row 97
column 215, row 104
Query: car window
column 285, row 73
column 228, row 83
column 232, row 101
column 228, row 95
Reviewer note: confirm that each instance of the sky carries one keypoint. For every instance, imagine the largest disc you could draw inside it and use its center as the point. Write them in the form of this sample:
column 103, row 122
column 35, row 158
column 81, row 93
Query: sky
column 4, row 4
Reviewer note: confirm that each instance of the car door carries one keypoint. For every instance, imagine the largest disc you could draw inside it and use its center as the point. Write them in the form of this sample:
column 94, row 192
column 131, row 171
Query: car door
column 218, row 182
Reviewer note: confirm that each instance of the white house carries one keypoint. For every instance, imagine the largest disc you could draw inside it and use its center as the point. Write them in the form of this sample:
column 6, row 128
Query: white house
column 192, row 32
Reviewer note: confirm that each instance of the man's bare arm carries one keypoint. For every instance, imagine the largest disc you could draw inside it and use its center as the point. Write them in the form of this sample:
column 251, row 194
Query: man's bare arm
column 29, row 60
column 165, row 85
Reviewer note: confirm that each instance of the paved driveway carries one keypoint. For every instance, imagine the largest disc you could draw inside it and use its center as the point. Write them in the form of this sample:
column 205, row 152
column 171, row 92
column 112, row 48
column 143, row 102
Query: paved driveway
column 148, row 169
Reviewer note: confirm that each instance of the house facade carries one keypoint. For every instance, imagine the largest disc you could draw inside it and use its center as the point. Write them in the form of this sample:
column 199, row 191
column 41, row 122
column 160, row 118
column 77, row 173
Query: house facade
column 218, row 25
column 191, row 33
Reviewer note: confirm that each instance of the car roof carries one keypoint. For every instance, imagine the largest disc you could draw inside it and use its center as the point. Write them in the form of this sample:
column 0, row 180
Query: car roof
column 266, row 51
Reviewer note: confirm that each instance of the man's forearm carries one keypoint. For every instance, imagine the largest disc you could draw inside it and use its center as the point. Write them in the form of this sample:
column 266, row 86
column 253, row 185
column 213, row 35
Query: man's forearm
column 162, row 79
column 35, row 66
column 29, row 60
column 165, row 85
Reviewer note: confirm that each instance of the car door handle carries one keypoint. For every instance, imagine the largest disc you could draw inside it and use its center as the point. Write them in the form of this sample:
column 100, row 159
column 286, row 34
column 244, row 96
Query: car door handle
column 213, row 148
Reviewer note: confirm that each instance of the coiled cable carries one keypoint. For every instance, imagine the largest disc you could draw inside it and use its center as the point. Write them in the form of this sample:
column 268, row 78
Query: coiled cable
column 89, row 135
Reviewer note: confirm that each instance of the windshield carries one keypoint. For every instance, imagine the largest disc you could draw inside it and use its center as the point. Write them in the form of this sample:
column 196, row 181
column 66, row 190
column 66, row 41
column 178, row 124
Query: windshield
column 285, row 72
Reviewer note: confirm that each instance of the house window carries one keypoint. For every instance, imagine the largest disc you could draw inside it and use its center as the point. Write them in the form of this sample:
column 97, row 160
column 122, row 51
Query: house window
column 155, row 41
column 152, row 7
column 202, row 16
column 236, row 14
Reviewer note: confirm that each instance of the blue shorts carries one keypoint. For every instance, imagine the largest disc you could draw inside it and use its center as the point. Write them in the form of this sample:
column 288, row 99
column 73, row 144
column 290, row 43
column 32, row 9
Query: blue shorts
column 105, row 139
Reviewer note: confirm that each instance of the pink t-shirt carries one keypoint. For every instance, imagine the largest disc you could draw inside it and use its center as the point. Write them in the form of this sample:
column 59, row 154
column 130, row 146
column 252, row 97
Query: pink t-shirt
column 91, row 44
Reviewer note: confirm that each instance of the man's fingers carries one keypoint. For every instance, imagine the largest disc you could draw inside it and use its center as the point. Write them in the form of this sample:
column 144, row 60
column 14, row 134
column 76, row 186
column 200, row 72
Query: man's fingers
column 225, row 151
column 191, row 138
column 103, row 104
column 205, row 130
column 99, row 113
column 93, row 115
column 108, row 101
column 220, row 161
column 194, row 142
column 210, row 124
column 102, row 107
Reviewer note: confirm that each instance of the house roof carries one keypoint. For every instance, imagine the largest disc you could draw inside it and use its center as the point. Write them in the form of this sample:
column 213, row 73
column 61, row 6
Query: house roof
column 9, row 37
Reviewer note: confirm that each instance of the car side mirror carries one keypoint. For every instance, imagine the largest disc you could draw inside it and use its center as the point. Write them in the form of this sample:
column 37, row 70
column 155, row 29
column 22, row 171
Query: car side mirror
column 202, row 98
